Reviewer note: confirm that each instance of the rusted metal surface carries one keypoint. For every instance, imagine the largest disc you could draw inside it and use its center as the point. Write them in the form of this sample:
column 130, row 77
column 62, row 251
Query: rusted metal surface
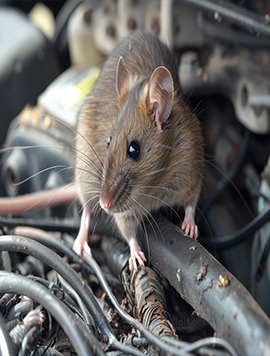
column 150, row 304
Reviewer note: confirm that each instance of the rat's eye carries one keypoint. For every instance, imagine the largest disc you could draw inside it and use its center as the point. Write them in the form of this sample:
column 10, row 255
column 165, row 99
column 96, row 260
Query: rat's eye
column 133, row 150
column 109, row 141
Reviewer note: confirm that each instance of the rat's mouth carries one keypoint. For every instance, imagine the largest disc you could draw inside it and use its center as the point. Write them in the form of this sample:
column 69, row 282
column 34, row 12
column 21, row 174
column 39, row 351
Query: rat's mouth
column 111, row 197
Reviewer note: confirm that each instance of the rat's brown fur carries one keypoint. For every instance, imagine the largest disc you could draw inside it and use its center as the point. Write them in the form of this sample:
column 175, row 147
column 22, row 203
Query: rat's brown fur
column 170, row 167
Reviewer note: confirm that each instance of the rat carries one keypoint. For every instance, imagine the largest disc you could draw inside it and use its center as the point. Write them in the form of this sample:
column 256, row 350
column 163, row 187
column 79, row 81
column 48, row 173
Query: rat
column 139, row 147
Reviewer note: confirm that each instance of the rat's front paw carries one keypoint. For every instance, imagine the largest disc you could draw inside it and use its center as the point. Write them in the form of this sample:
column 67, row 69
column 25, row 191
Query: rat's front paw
column 78, row 247
column 190, row 229
column 136, row 255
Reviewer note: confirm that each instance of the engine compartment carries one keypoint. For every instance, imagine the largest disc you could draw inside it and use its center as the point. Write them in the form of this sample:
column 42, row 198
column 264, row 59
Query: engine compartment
column 222, row 51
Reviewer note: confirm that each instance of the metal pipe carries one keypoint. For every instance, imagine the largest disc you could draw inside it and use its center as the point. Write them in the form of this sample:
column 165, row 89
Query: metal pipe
column 237, row 15
column 214, row 293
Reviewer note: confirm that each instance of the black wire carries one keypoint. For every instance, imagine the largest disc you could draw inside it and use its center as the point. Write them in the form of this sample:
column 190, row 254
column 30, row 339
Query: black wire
column 47, row 351
column 209, row 341
column 231, row 174
column 47, row 256
column 125, row 316
column 2, row 229
column 72, row 326
column 85, row 314
column 5, row 304
column 239, row 236
column 67, row 225
column 58, row 245
column 28, row 340
column 62, row 20
column 262, row 195
column 263, row 260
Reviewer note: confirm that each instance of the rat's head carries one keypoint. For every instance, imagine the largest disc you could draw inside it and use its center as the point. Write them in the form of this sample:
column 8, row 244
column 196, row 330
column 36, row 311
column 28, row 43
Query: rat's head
column 136, row 154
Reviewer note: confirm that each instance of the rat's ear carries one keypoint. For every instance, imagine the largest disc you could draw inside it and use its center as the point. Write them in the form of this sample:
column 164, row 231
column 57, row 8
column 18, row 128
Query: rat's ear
column 160, row 94
column 122, row 77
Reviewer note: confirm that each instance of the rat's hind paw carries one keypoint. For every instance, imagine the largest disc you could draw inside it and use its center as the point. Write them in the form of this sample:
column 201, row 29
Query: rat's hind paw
column 190, row 229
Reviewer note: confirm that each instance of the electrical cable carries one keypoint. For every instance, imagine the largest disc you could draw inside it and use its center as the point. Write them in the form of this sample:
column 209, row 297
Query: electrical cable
column 263, row 260
column 29, row 339
column 199, row 344
column 6, row 347
column 207, row 342
column 86, row 315
column 231, row 174
column 62, row 20
column 47, row 351
column 239, row 236
column 260, row 194
column 58, row 246
column 49, row 257
column 125, row 316
column 10, row 282
column 236, row 15
column 52, row 225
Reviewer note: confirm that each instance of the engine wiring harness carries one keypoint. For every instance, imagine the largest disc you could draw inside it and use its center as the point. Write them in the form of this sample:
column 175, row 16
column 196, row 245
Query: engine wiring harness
column 76, row 311
column 54, row 302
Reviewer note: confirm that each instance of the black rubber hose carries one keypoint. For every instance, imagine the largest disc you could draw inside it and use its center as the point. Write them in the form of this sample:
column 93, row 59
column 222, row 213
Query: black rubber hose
column 58, row 246
column 62, row 20
column 11, row 283
column 236, row 15
column 52, row 225
column 47, row 256
column 239, row 236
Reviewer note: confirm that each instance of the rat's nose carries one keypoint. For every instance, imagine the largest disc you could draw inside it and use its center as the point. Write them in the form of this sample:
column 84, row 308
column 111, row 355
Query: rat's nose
column 109, row 196
column 105, row 202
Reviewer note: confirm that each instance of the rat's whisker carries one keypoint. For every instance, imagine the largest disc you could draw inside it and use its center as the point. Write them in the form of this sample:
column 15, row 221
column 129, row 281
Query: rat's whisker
column 63, row 168
column 88, row 201
column 147, row 215
column 89, row 162
column 161, row 201
column 89, row 172
column 227, row 177
column 78, row 154
column 80, row 135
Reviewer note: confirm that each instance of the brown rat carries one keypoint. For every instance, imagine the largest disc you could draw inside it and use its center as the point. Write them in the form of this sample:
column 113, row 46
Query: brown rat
column 139, row 146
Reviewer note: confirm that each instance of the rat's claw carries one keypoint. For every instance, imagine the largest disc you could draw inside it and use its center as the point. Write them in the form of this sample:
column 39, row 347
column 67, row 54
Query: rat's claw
column 190, row 229
column 139, row 257
column 82, row 237
column 136, row 255
column 77, row 247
